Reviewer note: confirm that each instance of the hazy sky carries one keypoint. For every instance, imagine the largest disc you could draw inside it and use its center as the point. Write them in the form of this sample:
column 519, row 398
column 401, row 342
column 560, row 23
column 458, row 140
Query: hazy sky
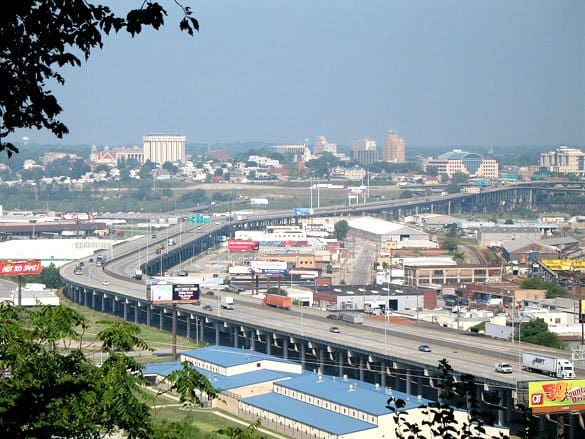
column 440, row 72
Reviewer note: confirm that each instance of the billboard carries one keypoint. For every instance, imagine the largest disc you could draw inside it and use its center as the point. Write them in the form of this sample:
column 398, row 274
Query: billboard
column 178, row 293
column 19, row 267
column 556, row 396
column 242, row 245
column 268, row 265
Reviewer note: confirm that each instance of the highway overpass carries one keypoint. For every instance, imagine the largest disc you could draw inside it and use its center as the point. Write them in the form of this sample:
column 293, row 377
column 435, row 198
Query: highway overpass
column 375, row 351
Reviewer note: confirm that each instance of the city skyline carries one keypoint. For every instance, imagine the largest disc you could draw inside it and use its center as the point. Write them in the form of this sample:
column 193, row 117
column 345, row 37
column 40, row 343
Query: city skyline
column 441, row 74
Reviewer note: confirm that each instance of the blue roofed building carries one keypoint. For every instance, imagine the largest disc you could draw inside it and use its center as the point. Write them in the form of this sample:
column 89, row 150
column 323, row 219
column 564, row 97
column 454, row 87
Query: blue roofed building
column 255, row 386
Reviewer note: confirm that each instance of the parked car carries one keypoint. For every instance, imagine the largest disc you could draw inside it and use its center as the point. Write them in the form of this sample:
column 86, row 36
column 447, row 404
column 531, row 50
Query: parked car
column 207, row 307
column 332, row 316
column 334, row 329
column 424, row 348
column 210, row 293
column 153, row 236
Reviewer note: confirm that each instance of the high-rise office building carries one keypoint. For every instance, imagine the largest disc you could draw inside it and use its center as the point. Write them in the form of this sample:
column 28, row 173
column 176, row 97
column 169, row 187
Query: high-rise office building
column 364, row 151
column 394, row 148
column 161, row 148
column 322, row 145
column 564, row 160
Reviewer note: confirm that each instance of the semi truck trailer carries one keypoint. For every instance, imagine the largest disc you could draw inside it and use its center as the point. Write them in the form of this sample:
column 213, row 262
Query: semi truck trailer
column 548, row 365
column 277, row 301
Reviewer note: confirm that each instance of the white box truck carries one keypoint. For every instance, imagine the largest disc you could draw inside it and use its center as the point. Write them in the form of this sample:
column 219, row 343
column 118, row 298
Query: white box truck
column 352, row 318
column 548, row 365
column 227, row 302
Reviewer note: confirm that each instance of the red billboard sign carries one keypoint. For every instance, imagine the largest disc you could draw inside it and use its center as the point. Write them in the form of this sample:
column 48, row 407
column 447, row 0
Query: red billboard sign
column 242, row 245
column 20, row 267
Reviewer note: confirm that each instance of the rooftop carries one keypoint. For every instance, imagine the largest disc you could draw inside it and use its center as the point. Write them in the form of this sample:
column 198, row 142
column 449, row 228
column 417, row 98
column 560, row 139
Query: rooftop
column 351, row 393
column 224, row 356
column 308, row 414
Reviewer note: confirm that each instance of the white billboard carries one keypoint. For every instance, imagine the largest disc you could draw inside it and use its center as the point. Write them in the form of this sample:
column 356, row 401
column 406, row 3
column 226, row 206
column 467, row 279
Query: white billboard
column 268, row 265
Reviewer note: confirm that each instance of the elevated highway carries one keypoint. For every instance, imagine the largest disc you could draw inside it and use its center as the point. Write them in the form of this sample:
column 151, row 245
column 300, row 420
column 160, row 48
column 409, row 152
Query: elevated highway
column 375, row 351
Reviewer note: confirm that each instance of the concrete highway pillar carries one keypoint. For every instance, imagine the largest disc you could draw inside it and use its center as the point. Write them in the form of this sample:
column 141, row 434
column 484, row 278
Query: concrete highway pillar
column 419, row 385
column 85, row 297
column 340, row 354
column 136, row 309
column 432, row 208
column 321, row 360
column 361, row 368
column 572, row 426
column 235, row 334
column 285, row 348
column 449, row 208
column 93, row 300
column 382, row 374
column 160, row 318
column 501, row 410
column 407, row 378
column 103, row 302
column 125, row 310
column 253, row 340
column 216, row 325
column 509, row 405
column 188, row 326
column 541, row 426
column 268, row 344
column 148, row 314
column 202, row 329
column 303, row 360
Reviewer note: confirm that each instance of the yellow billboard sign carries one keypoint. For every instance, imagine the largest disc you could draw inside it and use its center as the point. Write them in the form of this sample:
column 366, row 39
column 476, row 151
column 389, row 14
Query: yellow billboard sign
column 556, row 396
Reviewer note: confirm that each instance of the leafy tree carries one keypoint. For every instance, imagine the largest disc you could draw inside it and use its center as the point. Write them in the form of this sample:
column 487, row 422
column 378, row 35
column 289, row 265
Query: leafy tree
column 194, row 197
column 249, row 432
column 53, row 390
column 322, row 166
column 552, row 289
column 341, row 228
column 146, row 169
column 406, row 193
column 39, row 37
column 509, row 221
column 449, row 244
column 218, row 172
column 441, row 420
column 49, row 276
column 459, row 178
column 170, row 168
column 536, row 332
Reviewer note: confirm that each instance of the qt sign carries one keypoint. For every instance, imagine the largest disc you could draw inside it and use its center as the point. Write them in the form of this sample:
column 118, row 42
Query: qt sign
column 20, row 267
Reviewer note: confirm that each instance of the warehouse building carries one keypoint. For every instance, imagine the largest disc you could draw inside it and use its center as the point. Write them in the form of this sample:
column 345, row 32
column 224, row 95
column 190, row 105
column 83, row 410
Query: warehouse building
column 378, row 230
column 299, row 404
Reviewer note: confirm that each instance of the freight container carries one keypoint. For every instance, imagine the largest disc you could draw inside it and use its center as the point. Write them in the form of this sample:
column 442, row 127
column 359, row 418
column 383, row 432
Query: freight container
column 277, row 301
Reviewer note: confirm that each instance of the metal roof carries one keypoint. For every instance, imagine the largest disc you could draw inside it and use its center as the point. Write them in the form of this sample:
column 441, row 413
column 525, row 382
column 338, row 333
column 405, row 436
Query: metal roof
column 522, row 242
column 351, row 393
column 220, row 382
column 224, row 356
column 308, row 414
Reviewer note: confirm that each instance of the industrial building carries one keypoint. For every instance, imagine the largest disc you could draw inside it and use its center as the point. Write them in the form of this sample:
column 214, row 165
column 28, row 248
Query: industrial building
column 299, row 404
column 436, row 276
column 378, row 231
column 527, row 250
column 497, row 235
column 162, row 148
